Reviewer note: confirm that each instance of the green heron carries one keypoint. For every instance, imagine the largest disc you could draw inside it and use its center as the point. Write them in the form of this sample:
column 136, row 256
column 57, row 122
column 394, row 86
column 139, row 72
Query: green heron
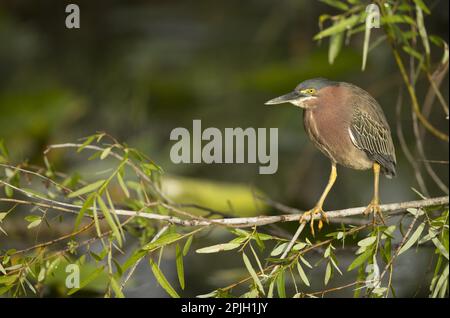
column 348, row 125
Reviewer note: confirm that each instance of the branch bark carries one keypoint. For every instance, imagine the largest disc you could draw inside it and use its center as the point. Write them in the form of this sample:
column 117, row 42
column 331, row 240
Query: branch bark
column 236, row 222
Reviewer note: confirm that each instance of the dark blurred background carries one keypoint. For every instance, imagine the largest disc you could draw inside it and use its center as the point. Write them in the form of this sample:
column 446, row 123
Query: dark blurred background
column 138, row 69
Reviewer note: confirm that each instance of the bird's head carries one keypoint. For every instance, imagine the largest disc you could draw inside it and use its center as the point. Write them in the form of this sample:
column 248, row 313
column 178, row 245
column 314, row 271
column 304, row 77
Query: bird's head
column 306, row 95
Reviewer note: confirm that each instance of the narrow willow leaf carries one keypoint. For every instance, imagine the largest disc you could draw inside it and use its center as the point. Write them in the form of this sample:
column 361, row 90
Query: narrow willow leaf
column 279, row 249
column 281, row 288
column 396, row 18
column 368, row 28
column 109, row 219
column 85, row 282
column 116, row 288
column 412, row 52
column 360, row 260
column 7, row 280
column 261, row 269
column 271, row 286
column 299, row 246
column 86, row 205
column 328, row 272
column 133, row 259
column 113, row 210
column 422, row 31
column 88, row 141
column 34, row 224
column 9, row 192
column 123, row 185
column 3, row 215
column 336, row 41
column 302, row 274
column 413, row 239
column 218, row 248
column 367, row 241
column 86, row 189
column 422, row 6
column 162, row 241
column 341, row 26
column 105, row 153
column 253, row 273
column 162, row 280
column 187, row 245
column 96, row 222
column 304, row 261
column 180, row 266
column 440, row 247
column 2, row 269
column 440, row 282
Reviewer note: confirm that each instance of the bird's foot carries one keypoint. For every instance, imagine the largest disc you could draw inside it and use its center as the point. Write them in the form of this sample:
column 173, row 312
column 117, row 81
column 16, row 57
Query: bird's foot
column 311, row 215
column 374, row 207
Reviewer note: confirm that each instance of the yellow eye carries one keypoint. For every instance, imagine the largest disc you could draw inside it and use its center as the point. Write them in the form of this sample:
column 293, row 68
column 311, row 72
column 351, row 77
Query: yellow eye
column 309, row 91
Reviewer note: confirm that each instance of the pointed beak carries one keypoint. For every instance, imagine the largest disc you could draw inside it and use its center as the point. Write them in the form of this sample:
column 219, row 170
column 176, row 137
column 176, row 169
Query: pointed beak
column 289, row 97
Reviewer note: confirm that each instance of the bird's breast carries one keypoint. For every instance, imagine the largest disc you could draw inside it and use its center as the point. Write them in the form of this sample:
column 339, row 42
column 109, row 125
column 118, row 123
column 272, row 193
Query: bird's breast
column 329, row 130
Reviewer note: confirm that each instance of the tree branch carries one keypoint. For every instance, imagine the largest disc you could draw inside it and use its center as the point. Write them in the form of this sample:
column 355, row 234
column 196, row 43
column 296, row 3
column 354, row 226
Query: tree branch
column 237, row 222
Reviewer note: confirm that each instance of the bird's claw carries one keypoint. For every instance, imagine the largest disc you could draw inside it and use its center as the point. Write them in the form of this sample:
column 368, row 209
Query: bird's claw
column 374, row 207
column 311, row 214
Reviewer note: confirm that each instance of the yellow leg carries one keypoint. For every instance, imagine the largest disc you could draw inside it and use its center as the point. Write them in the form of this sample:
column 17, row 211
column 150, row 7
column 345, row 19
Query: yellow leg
column 374, row 205
column 318, row 207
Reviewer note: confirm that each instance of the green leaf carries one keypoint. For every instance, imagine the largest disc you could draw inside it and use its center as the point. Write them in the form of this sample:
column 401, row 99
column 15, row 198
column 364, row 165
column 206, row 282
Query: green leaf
column 328, row 272
column 366, row 45
column 3, row 215
column 367, row 241
column 440, row 247
column 105, row 153
column 360, row 260
column 422, row 6
column 341, row 26
column 137, row 255
column 253, row 273
column 304, row 261
column 299, row 246
column 8, row 191
column 34, row 220
column 422, row 30
column 122, row 185
column 413, row 239
column 86, row 205
column 279, row 249
column 393, row 19
column 180, row 266
column 412, row 52
column 7, row 280
column 88, row 141
column 187, row 245
column 302, row 274
column 85, row 282
column 281, row 288
column 116, row 288
column 109, row 219
column 271, row 286
column 86, row 189
column 162, row 241
column 162, row 280
column 336, row 41
column 218, row 248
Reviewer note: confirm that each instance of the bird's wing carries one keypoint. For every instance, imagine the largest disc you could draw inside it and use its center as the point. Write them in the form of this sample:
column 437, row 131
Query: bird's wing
column 372, row 135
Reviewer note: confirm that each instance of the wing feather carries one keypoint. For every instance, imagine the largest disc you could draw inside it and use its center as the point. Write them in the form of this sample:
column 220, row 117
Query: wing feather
column 373, row 136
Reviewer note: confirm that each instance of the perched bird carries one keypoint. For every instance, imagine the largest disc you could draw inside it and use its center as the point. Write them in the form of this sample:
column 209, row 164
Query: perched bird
column 348, row 125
